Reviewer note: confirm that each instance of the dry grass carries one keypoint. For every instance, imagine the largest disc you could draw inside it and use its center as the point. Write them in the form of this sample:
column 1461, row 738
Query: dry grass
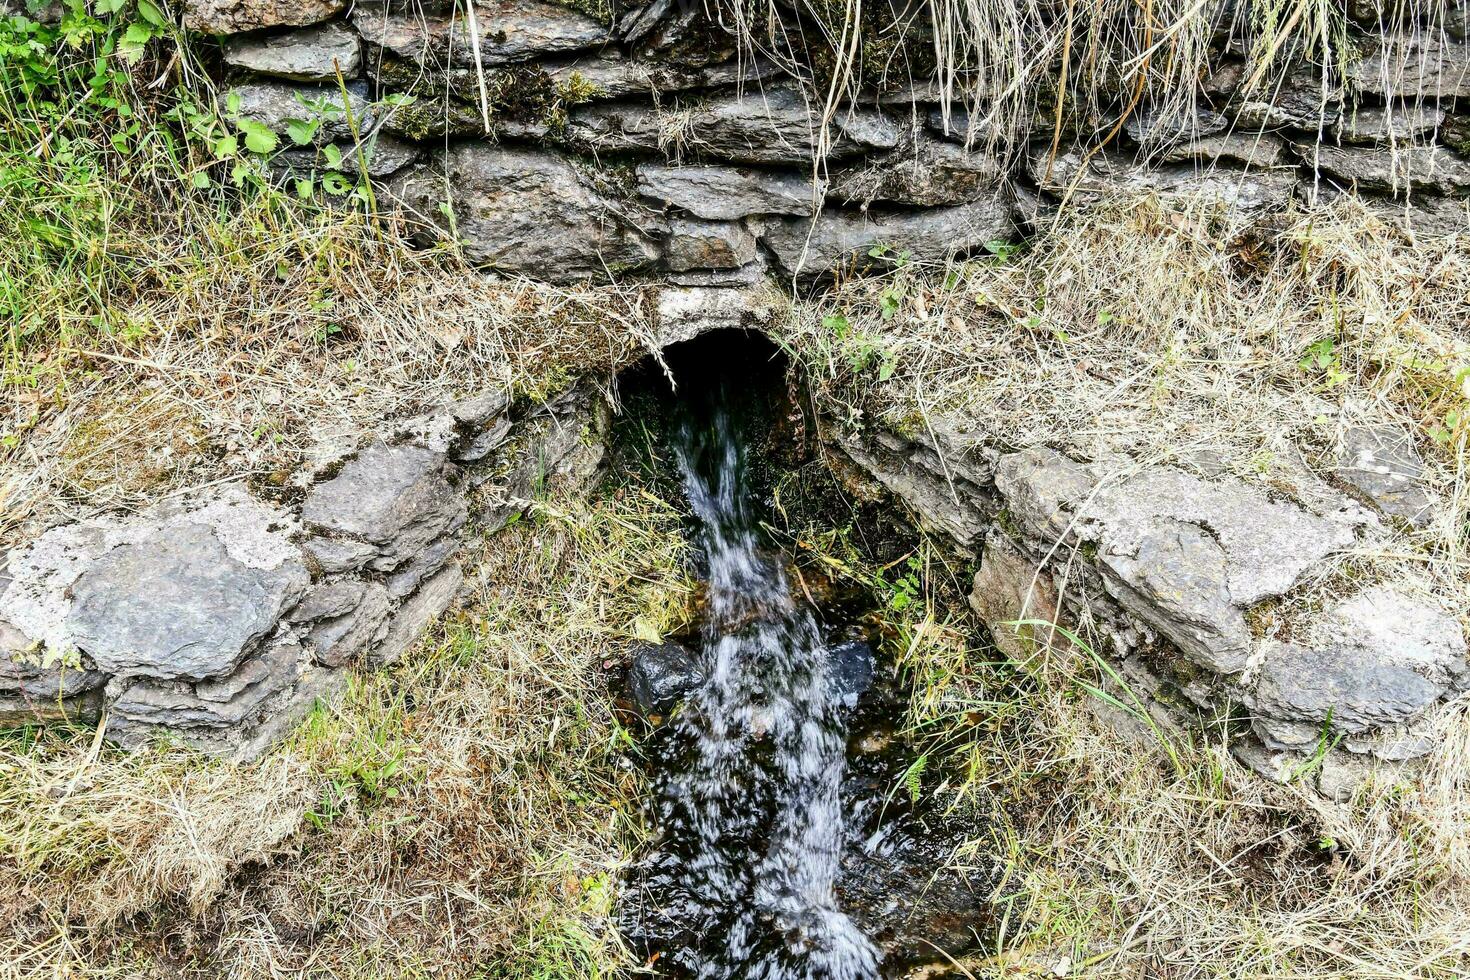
column 260, row 345
column 462, row 814
column 1156, row 334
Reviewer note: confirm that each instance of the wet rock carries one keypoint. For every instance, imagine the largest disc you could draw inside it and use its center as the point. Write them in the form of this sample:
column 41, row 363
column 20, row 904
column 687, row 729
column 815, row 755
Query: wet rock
column 849, row 671
column 1010, row 589
column 620, row 127
column 509, row 31
column 811, row 248
column 177, row 605
column 924, row 172
column 1391, row 171
column 307, row 54
column 725, row 193
column 660, row 676
column 532, row 212
column 396, row 498
column 1303, row 100
column 1392, row 123
column 1379, row 658
column 235, row 16
column 1382, row 463
column 276, row 104
column 707, row 245
column 1111, row 174
column 681, row 33
column 416, row 614
column 1412, row 67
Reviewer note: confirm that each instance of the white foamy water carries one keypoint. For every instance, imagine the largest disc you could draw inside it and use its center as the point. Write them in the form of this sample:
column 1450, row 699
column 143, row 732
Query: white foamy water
column 750, row 804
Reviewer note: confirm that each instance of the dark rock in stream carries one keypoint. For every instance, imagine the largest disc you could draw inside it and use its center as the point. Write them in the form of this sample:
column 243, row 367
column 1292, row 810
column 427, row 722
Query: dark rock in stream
column 660, row 675
column 850, row 669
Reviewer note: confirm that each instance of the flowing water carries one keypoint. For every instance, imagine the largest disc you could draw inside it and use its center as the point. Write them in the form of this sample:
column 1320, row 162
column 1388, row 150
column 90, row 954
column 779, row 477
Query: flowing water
column 750, row 804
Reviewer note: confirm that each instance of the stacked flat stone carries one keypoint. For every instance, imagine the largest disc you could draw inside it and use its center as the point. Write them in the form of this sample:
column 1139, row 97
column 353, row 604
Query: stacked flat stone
column 220, row 619
column 567, row 146
column 1171, row 568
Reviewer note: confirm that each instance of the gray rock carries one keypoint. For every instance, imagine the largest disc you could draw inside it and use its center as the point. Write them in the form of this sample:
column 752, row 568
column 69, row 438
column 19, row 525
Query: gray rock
column 1154, row 127
column 339, row 640
column 609, row 75
column 660, row 676
column 684, row 312
column 31, row 692
column 811, row 248
column 229, row 702
column 333, row 556
column 726, row 193
column 421, row 566
column 694, row 244
column 177, row 605
column 509, row 31
column 307, row 54
column 1258, row 151
column 416, row 614
column 1412, row 67
column 1382, row 463
column 620, row 127
column 236, row 16
column 382, row 155
column 1396, row 122
column 1174, row 576
column 924, row 171
column 779, row 125
column 1302, row 100
column 1379, row 658
column 275, row 104
column 328, row 600
column 687, row 37
column 1110, row 174
column 397, row 498
column 532, row 212
column 1391, row 171
column 1424, row 216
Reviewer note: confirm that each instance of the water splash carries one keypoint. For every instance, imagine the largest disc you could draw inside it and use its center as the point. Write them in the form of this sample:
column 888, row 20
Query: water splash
column 750, row 806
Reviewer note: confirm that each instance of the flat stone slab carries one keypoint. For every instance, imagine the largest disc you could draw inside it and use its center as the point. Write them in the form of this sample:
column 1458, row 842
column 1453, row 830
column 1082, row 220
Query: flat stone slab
column 725, row 193
column 1379, row 658
column 509, row 31
column 307, row 54
column 235, row 16
column 1380, row 461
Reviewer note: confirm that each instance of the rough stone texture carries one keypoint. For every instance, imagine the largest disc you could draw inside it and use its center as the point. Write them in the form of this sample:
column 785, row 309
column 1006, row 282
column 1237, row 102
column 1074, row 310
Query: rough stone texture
column 531, row 211
column 1010, row 589
column 34, row 691
column 1379, row 658
column 1395, row 122
column 807, row 248
column 725, row 193
column 415, row 615
column 609, row 75
column 396, row 498
column 1258, row 151
column 308, row 54
column 1109, row 174
column 1302, row 101
column 925, row 172
column 1392, row 171
column 381, row 154
column 234, row 16
column 849, row 671
column 275, row 104
column 177, row 605
column 1380, row 461
column 509, row 31
column 684, row 312
column 1151, row 127
column 708, row 245
column 778, row 125
column 1410, row 67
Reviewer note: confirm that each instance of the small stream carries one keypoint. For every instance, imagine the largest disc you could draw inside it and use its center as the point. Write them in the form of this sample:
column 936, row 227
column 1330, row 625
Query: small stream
column 772, row 847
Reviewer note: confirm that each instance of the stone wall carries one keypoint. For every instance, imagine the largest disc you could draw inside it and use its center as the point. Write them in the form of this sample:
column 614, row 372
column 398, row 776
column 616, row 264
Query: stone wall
column 638, row 141
column 222, row 616
column 1178, row 578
